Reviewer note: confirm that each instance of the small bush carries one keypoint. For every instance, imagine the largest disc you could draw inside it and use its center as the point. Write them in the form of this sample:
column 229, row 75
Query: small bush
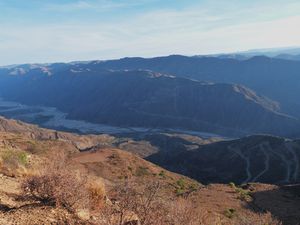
column 58, row 186
column 96, row 192
column 15, row 158
column 182, row 188
column 162, row 174
column 13, row 162
column 244, row 194
column 142, row 171
column 181, row 183
column 136, row 204
column 232, row 185
column 193, row 187
column 230, row 213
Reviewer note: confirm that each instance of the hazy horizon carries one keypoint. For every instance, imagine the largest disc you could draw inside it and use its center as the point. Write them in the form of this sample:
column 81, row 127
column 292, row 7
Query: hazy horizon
column 81, row 30
column 154, row 56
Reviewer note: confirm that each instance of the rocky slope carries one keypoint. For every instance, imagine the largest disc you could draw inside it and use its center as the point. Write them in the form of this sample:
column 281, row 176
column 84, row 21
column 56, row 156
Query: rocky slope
column 215, row 203
column 81, row 142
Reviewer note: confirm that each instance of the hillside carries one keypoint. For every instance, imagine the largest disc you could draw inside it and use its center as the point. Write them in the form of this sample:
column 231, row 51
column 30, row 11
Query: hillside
column 275, row 78
column 148, row 99
column 22, row 157
column 32, row 131
column 260, row 158
column 150, row 112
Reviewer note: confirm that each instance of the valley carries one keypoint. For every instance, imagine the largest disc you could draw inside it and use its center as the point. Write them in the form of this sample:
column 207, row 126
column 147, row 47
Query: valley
column 150, row 112
column 258, row 158
column 50, row 117
column 191, row 127
column 144, row 99
column 116, row 161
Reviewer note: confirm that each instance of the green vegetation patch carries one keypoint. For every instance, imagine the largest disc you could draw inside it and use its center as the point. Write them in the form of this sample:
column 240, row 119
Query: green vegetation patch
column 230, row 213
column 162, row 174
column 244, row 194
column 184, row 186
column 142, row 171
column 181, row 183
column 14, row 158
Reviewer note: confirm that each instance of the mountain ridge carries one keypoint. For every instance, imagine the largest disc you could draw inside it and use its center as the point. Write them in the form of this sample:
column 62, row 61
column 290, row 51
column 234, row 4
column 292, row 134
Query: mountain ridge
column 148, row 99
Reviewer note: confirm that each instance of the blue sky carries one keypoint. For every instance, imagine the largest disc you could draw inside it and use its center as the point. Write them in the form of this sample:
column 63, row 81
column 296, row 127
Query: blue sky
column 67, row 30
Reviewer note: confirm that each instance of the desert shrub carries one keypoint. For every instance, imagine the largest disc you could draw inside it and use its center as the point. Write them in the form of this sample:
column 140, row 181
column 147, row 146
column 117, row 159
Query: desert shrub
column 180, row 191
column 57, row 185
column 14, row 158
column 142, row 171
column 181, row 183
column 13, row 162
column 230, row 213
column 244, row 194
column 180, row 187
column 135, row 204
column 162, row 174
column 193, row 187
column 96, row 192
column 183, row 188
column 56, row 188
column 232, row 185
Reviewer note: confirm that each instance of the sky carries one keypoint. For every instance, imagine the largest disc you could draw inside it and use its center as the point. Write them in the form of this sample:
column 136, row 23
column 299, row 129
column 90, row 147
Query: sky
column 39, row 31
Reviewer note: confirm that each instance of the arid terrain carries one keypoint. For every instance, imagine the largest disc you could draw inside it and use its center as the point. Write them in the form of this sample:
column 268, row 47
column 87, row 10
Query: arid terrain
column 120, row 176
column 149, row 112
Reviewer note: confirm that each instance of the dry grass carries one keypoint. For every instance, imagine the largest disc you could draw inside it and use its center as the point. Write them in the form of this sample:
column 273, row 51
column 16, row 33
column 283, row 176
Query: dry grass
column 183, row 211
column 133, row 204
column 128, row 203
column 262, row 219
column 97, row 195
column 57, row 185
column 13, row 162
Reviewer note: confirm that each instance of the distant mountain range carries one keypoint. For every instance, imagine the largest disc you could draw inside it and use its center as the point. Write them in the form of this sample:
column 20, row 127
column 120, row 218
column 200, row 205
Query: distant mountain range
column 223, row 96
column 274, row 78
column 252, row 103
column 146, row 99
column 291, row 53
